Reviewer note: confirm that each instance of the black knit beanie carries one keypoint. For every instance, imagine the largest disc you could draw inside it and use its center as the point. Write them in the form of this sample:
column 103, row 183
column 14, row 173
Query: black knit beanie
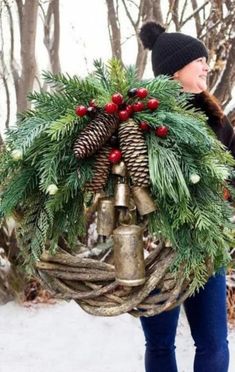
column 171, row 51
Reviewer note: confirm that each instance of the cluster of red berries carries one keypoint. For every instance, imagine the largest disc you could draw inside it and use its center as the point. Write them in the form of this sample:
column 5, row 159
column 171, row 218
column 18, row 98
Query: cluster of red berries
column 124, row 110
column 83, row 110
column 118, row 106
column 161, row 131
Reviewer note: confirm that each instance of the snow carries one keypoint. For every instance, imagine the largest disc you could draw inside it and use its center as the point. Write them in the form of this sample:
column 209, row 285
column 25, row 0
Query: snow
column 62, row 337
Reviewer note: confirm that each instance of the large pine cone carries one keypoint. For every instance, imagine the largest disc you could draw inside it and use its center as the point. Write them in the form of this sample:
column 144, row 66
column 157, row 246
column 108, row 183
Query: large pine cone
column 135, row 152
column 94, row 136
column 100, row 171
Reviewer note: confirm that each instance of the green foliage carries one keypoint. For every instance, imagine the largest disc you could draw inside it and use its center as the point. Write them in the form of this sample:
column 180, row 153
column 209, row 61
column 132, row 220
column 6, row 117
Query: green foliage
column 193, row 216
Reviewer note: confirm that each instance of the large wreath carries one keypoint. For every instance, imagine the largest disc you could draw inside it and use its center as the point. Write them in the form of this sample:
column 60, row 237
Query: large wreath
column 137, row 151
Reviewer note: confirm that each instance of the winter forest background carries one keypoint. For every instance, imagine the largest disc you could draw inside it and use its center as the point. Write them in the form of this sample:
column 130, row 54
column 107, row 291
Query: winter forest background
column 66, row 36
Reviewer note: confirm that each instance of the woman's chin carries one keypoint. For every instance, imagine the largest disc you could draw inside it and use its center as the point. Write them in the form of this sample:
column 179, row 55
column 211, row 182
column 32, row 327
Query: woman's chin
column 195, row 88
column 202, row 86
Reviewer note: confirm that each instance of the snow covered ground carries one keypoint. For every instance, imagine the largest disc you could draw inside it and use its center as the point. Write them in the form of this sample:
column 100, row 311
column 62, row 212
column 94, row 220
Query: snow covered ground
column 63, row 338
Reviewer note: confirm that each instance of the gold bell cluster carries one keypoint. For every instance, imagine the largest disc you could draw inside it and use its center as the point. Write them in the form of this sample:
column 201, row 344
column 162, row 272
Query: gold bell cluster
column 118, row 216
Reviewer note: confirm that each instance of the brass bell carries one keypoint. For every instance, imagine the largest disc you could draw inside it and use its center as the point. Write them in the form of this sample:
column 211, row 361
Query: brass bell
column 129, row 255
column 127, row 216
column 105, row 216
column 143, row 200
column 119, row 169
column 122, row 193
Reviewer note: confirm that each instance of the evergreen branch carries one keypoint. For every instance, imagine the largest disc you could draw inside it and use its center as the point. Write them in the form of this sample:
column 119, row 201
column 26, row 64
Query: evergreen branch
column 117, row 77
column 166, row 176
column 8, row 166
column 101, row 73
column 64, row 126
column 19, row 186
column 22, row 138
column 74, row 90
column 33, row 231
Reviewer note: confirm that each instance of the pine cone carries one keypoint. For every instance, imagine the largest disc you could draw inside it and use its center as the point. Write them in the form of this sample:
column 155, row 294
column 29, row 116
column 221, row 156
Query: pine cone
column 94, row 136
column 135, row 152
column 101, row 170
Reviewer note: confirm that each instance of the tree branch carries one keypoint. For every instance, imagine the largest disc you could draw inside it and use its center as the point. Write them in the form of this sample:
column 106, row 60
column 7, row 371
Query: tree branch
column 52, row 43
column 4, row 77
column 114, row 30
column 196, row 16
column 28, row 61
column 227, row 82
column 13, row 64
column 183, row 11
column 134, row 24
column 175, row 14
column 195, row 12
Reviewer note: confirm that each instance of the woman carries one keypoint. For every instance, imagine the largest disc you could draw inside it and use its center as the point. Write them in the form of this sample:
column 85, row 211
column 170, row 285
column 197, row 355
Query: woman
column 184, row 58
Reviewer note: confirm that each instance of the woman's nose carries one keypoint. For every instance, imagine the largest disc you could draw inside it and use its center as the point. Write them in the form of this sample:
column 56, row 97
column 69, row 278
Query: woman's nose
column 206, row 67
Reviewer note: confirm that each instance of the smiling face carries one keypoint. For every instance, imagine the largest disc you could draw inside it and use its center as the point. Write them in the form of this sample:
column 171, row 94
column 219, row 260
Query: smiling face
column 193, row 76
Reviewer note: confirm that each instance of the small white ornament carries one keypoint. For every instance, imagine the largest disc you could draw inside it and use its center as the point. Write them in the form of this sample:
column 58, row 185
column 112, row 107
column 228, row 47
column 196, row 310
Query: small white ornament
column 52, row 189
column 194, row 178
column 168, row 243
column 17, row 154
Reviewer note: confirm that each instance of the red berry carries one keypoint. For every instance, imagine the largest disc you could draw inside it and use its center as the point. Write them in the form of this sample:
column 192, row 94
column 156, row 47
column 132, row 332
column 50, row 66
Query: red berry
column 144, row 126
column 153, row 104
column 115, row 156
column 111, row 107
column 162, row 131
column 138, row 106
column 123, row 115
column 117, row 98
column 129, row 108
column 81, row 110
column 142, row 92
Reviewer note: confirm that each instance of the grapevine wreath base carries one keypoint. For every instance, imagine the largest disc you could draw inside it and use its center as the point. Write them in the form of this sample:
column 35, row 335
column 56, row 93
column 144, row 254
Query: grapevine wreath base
column 92, row 284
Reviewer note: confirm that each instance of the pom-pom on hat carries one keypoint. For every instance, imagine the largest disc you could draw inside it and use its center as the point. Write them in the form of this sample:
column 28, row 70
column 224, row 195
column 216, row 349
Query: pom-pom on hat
column 171, row 51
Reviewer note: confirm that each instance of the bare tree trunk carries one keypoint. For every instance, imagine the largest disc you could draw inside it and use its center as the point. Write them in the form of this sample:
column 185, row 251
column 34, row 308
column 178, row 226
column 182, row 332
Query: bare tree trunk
column 151, row 9
column 223, row 90
column 52, row 22
column 147, row 10
column 8, row 103
column 114, row 29
column 175, row 14
column 20, row 8
column 28, row 35
column 196, row 17
column 141, row 59
column 157, row 11
column 3, row 76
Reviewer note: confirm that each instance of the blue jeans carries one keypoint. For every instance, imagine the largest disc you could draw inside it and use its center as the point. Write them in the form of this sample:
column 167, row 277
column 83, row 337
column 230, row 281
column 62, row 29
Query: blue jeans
column 206, row 314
